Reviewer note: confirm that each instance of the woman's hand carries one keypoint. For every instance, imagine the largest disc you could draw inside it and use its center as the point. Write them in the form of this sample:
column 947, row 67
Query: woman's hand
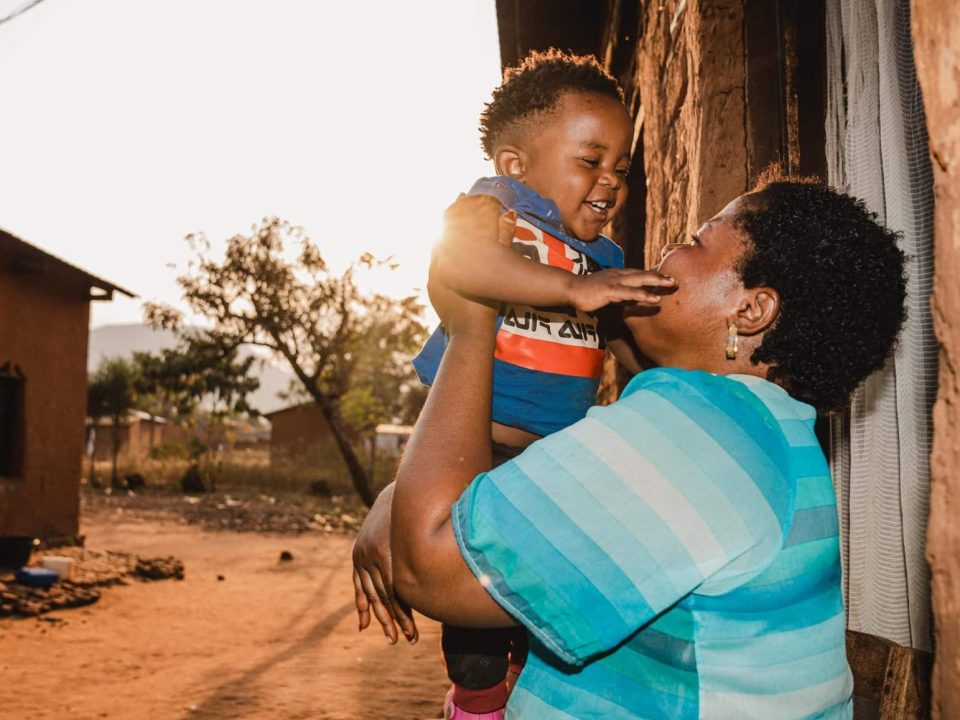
column 467, row 217
column 478, row 218
column 373, row 574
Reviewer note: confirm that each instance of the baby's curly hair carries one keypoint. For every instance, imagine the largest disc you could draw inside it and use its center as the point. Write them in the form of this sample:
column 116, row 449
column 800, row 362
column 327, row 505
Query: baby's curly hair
column 840, row 276
column 534, row 87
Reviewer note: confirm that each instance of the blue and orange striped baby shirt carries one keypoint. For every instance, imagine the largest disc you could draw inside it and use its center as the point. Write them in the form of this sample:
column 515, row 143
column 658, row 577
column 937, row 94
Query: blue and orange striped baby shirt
column 548, row 360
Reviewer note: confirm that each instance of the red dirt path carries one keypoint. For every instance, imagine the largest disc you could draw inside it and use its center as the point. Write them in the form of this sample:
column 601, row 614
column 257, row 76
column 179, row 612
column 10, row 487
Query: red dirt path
column 271, row 640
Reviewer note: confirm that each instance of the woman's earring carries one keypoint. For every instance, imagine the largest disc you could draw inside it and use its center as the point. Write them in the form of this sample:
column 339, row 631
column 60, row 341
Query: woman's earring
column 732, row 341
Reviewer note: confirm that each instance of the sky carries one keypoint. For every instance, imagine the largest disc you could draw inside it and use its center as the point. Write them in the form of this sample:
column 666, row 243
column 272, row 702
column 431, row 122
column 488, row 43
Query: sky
column 128, row 124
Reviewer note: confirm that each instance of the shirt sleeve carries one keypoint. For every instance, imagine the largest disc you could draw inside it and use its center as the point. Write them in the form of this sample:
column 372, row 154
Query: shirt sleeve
column 590, row 533
column 426, row 363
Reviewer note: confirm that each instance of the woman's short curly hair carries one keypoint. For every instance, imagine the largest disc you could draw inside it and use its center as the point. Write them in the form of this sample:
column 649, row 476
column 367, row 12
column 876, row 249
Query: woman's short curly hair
column 840, row 276
column 534, row 87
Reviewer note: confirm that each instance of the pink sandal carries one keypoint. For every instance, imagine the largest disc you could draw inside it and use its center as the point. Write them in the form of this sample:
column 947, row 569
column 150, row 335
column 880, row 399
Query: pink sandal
column 451, row 711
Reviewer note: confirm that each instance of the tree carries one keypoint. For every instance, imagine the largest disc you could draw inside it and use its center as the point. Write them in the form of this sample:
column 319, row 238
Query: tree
column 349, row 349
column 159, row 387
column 96, row 411
column 111, row 393
column 178, row 381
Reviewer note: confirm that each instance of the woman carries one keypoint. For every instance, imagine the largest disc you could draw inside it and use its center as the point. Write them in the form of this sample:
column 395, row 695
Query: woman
column 675, row 554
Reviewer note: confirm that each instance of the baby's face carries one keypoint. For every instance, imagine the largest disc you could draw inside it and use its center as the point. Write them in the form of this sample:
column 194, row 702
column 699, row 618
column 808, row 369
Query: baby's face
column 580, row 159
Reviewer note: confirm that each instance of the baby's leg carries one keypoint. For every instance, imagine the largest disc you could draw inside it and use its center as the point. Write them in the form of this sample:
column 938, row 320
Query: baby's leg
column 476, row 659
column 477, row 662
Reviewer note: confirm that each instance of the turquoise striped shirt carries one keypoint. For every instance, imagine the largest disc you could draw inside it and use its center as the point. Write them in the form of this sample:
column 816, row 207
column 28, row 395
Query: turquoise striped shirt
column 673, row 555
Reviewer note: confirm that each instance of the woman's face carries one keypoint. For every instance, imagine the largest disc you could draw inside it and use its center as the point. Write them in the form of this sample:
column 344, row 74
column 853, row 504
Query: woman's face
column 689, row 328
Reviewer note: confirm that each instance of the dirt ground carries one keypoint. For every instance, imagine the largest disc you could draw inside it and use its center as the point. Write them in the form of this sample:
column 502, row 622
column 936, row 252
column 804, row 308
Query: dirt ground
column 269, row 640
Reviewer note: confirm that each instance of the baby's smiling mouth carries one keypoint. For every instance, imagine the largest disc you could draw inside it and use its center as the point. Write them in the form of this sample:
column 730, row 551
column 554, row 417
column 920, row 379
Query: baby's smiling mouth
column 600, row 207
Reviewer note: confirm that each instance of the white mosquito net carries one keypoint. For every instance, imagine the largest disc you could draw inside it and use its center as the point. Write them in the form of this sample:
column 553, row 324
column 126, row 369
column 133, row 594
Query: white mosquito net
column 877, row 150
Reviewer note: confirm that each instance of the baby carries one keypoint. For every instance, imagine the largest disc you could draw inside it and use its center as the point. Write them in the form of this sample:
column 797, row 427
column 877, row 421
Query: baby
column 560, row 139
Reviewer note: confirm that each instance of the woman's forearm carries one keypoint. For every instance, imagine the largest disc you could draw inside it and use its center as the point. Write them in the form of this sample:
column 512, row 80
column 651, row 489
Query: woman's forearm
column 449, row 448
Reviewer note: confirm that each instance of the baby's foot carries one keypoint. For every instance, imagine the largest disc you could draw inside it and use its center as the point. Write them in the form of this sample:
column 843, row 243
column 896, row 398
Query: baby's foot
column 451, row 711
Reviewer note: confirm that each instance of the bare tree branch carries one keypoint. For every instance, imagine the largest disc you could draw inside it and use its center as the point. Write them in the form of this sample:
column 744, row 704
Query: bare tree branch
column 19, row 11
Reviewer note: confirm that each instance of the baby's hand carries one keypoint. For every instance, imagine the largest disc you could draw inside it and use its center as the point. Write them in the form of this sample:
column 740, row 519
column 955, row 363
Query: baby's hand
column 594, row 291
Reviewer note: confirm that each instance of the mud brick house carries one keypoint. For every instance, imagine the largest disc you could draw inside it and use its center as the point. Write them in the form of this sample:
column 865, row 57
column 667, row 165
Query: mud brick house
column 139, row 433
column 863, row 93
column 44, row 319
column 299, row 432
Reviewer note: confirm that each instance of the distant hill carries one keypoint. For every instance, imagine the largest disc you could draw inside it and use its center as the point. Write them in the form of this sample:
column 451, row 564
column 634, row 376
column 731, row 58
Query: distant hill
column 124, row 340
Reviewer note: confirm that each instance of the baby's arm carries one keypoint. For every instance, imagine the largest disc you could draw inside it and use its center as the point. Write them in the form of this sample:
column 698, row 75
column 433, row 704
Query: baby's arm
column 625, row 355
column 619, row 341
column 475, row 259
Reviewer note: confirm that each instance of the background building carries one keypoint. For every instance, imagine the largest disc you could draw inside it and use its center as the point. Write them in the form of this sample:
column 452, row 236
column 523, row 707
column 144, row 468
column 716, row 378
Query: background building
column 139, row 433
column 299, row 433
column 45, row 311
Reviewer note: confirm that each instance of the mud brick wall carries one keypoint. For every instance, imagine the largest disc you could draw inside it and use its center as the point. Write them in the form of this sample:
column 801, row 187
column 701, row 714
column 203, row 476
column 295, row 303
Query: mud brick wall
column 687, row 88
column 936, row 33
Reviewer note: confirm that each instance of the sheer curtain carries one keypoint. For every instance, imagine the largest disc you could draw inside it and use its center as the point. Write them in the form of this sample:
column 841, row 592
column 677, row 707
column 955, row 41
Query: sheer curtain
column 877, row 150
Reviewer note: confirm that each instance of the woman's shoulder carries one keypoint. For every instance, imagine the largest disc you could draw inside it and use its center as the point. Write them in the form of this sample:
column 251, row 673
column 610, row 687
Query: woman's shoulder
column 735, row 429
column 697, row 381
column 757, row 406
column 754, row 390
